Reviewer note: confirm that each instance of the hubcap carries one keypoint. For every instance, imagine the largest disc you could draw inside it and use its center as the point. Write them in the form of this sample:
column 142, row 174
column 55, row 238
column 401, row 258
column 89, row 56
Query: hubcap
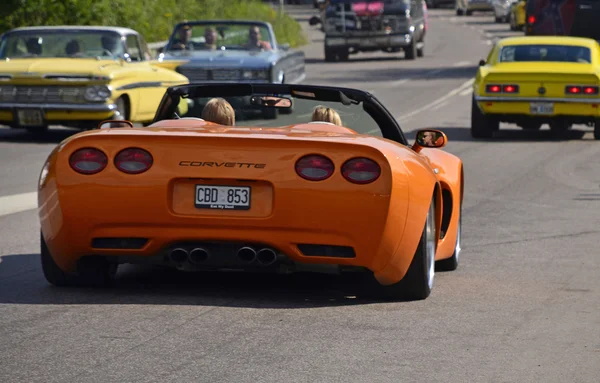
column 457, row 248
column 430, row 246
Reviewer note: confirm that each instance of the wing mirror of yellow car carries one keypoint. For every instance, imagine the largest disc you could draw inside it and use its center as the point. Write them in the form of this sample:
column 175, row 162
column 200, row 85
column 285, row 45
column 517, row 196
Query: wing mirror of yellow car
column 429, row 138
column 481, row 62
column 107, row 124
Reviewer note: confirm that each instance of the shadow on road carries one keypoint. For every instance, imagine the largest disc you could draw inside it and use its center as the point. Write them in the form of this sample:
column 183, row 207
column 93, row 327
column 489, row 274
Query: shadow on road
column 506, row 135
column 391, row 74
column 22, row 282
column 51, row 136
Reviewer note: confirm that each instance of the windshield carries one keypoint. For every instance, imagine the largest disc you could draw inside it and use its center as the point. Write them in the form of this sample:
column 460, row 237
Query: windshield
column 554, row 53
column 63, row 43
column 213, row 36
column 281, row 105
column 303, row 111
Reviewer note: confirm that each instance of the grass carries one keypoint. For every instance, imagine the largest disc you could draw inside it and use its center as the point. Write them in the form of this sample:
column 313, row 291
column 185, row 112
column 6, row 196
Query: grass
column 154, row 19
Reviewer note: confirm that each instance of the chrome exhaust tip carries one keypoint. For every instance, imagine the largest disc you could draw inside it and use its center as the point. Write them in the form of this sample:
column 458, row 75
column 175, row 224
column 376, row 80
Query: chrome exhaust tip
column 178, row 255
column 246, row 254
column 266, row 256
column 198, row 255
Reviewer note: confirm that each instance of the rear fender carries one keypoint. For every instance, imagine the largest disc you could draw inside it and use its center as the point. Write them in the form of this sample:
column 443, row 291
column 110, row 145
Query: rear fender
column 422, row 187
column 450, row 175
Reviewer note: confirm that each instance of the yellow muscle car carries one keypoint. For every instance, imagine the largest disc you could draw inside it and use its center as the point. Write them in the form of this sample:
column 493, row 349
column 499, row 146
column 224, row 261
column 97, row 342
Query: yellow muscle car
column 535, row 80
column 77, row 76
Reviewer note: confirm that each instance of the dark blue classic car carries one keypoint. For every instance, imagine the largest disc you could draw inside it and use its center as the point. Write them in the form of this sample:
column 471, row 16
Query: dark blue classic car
column 233, row 50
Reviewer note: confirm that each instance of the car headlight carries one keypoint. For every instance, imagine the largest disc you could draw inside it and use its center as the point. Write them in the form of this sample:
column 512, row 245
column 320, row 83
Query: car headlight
column 97, row 93
column 255, row 75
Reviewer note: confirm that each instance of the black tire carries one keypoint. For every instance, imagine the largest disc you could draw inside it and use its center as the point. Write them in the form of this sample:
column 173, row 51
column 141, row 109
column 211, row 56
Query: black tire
column 421, row 51
column 330, row 55
column 418, row 281
column 410, row 52
column 559, row 129
column 451, row 263
column 597, row 129
column 91, row 272
column 122, row 111
column 459, row 12
column 481, row 125
column 532, row 126
column 54, row 274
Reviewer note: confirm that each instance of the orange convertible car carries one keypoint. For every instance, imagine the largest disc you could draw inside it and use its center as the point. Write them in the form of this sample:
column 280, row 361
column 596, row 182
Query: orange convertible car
column 274, row 195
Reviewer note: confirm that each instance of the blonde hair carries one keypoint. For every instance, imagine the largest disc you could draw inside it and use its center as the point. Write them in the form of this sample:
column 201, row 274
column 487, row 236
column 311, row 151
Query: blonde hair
column 219, row 111
column 323, row 113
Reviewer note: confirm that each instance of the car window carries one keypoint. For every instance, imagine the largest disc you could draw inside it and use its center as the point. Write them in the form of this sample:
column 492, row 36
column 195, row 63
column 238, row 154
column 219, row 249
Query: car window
column 133, row 48
column 548, row 53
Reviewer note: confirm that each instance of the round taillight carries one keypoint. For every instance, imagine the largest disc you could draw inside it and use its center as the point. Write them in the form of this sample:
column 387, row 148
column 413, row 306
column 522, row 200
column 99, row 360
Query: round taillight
column 133, row 160
column 361, row 170
column 88, row 161
column 314, row 167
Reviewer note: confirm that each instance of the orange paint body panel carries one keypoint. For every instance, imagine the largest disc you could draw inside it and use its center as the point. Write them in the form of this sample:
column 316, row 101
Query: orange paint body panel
column 381, row 221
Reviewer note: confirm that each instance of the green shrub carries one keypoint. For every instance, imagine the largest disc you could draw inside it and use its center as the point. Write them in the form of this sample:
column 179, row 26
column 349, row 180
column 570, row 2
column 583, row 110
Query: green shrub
column 154, row 19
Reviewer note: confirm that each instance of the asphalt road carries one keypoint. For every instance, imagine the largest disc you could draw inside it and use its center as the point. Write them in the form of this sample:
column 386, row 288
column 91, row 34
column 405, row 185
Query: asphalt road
column 522, row 307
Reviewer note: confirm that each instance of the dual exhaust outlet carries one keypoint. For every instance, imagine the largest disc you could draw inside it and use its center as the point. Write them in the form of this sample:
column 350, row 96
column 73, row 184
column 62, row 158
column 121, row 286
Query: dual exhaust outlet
column 246, row 254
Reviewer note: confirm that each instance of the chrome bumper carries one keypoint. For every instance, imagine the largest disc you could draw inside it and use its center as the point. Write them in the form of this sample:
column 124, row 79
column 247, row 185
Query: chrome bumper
column 368, row 41
column 63, row 107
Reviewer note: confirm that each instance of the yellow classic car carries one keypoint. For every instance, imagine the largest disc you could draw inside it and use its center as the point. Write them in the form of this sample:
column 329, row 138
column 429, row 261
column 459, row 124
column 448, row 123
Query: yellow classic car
column 533, row 80
column 516, row 15
column 77, row 76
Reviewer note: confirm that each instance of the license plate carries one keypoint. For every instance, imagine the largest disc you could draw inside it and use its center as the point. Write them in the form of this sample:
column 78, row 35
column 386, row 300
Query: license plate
column 541, row 108
column 30, row 117
column 222, row 197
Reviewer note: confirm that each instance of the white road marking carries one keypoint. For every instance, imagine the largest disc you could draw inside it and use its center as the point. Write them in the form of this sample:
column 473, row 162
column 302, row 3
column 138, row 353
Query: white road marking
column 463, row 86
column 489, row 42
column 461, row 63
column 440, row 102
column 17, row 203
column 440, row 105
column 428, row 73
column 465, row 92
column 488, row 35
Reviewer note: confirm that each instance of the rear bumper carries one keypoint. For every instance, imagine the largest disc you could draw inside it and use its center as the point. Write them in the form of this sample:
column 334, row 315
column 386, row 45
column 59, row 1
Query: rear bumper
column 366, row 42
column 138, row 226
column 514, row 109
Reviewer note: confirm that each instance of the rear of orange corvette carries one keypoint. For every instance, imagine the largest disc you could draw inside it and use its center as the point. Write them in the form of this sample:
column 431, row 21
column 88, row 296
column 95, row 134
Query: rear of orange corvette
column 233, row 198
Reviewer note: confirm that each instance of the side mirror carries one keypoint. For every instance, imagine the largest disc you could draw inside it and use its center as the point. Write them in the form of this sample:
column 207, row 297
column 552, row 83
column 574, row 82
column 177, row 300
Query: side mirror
column 285, row 46
column 107, row 124
column 430, row 138
column 314, row 20
column 481, row 62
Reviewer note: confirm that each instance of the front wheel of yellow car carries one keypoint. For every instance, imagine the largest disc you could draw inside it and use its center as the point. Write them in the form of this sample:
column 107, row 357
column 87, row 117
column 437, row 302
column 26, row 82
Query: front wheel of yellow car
column 597, row 129
column 91, row 271
column 482, row 126
column 122, row 111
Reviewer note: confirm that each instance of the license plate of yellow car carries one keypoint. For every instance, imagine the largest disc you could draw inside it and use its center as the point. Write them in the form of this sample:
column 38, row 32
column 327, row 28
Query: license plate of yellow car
column 541, row 108
column 30, row 117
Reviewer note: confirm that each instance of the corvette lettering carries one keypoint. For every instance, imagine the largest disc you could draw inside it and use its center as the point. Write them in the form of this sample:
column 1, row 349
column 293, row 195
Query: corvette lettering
column 246, row 165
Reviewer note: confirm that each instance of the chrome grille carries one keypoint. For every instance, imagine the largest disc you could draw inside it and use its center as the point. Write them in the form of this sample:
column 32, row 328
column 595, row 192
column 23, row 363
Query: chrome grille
column 211, row 74
column 42, row 94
